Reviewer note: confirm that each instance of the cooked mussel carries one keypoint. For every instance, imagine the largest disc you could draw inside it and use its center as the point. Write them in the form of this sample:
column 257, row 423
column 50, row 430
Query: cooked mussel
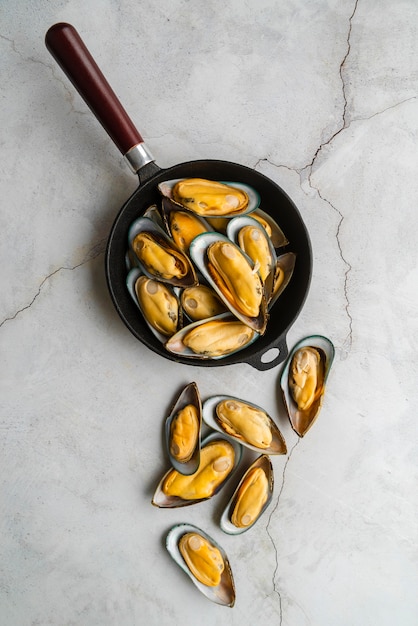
column 251, row 497
column 204, row 561
column 213, row 338
column 245, row 422
column 211, row 198
column 233, row 275
column 157, row 302
column 218, row 459
column 303, row 380
column 252, row 238
column 158, row 256
column 183, row 426
column 201, row 302
column 183, row 225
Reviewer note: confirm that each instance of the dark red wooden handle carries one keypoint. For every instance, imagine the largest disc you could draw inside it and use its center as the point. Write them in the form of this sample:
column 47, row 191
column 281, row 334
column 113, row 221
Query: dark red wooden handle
column 71, row 54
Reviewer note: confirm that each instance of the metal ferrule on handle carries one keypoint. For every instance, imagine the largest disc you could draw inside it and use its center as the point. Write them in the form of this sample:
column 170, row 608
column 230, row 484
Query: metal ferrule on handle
column 138, row 156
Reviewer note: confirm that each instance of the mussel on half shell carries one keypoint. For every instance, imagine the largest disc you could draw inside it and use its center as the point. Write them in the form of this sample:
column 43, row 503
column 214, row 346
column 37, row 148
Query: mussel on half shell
column 303, row 380
column 245, row 422
column 233, row 276
column 157, row 302
column 252, row 238
column 251, row 497
column 204, row 561
column 158, row 256
column 213, row 338
column 211, row 198
column 183, row 428
column 219, row 457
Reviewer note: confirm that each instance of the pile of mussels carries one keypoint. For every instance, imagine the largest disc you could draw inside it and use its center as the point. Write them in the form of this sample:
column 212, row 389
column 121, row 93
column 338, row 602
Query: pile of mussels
column 200, row 468
column 206, row 266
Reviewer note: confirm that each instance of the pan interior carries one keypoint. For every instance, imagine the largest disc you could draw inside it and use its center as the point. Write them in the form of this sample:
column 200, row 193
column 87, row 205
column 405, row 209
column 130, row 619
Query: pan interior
column 274, row 201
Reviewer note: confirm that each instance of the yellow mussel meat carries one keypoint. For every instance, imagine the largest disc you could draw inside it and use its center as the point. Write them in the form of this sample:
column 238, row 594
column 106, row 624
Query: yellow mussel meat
column 218, row 337
column 203, row 559
column 244, row 421
column 208, row 197
column 236, row 279
column 158, row 258
column 184, row 432
column 158, row 305
column 306, row 377
column 250, row 498
column 184, row 227
column 216, row 463
column 253, row 241
column 201, row 302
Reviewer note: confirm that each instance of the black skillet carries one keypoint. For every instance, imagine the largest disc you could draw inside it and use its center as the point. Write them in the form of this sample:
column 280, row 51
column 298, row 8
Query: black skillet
column 65, row 45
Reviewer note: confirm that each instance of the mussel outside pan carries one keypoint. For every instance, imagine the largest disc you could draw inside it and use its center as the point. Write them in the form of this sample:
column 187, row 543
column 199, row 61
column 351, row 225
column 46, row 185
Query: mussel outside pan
column 66, row 46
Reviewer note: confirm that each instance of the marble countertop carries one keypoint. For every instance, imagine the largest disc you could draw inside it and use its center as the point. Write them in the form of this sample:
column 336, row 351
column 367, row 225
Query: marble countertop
column 321, row 97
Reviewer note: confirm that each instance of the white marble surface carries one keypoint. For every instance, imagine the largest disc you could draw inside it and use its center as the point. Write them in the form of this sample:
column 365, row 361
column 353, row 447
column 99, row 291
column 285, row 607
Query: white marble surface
column 321, row 97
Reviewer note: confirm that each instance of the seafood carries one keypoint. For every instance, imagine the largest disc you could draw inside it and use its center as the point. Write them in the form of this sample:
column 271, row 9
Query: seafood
column 183, row 430
column 254, row 241
column 231, row 273
column 182, row 224
column 162, row 312
column 204, row 561
column 235, row 277
column 158, row 256
column 213, row 338
column 210, row 198
column 158, row 304
column 303, row 380
column 306, row 376
column 202, row 558
column 218, row 458
column 216, row 462
column 218, row 337
column 277, row 236
column 251, row 497
column 201, row 302
column 244, row 422
column 213, row 273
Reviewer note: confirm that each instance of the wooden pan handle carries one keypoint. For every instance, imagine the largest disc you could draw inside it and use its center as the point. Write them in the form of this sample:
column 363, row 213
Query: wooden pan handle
column 71, row 54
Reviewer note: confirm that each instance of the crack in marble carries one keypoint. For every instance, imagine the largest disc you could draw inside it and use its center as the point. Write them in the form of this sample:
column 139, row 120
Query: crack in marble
column 92, row 254
column 276, row 590
column 346, row 347
column 348, row 341
column 299, row 170
column 343, row 88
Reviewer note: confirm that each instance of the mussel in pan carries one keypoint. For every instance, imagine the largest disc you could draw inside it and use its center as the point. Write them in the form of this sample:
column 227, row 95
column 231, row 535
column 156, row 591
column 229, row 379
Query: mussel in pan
column 211, row 198
column 158, row 256
column 213, row 338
